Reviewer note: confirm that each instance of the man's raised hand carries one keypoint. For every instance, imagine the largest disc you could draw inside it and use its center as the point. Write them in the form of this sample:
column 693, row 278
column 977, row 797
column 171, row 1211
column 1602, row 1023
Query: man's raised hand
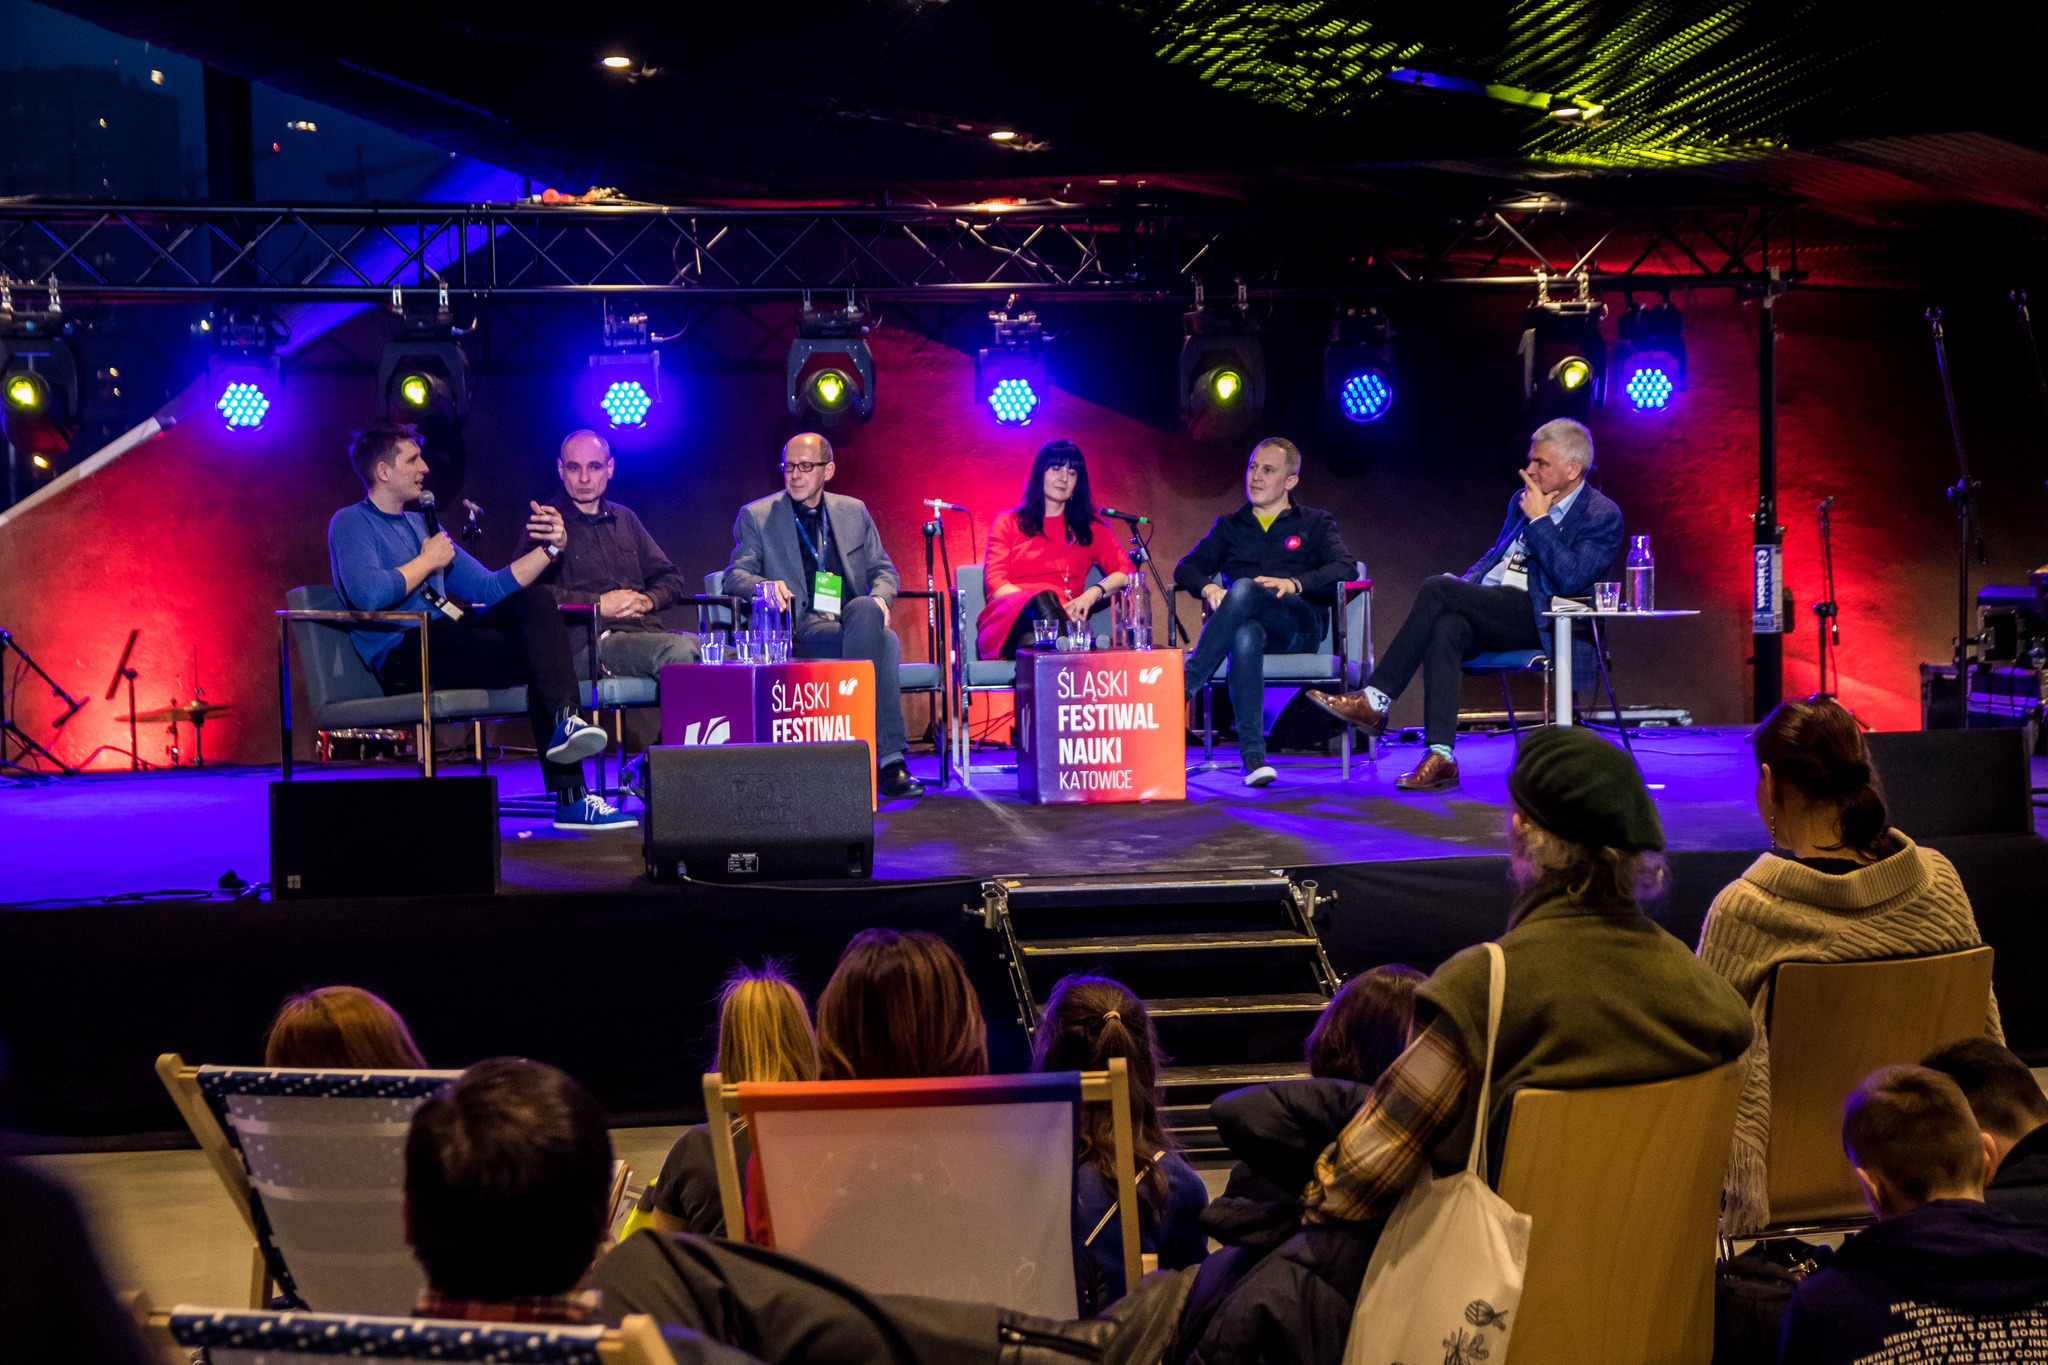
column 1535, row 502
column 544, row 526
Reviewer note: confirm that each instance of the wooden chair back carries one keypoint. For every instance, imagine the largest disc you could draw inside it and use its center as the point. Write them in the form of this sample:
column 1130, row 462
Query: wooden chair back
column 1832, row 1024
column 957, row 1187
column 1623, row 1186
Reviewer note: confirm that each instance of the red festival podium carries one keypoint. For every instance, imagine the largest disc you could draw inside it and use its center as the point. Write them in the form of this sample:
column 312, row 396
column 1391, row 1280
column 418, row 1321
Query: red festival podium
column 809, row 701
column 1104, row 725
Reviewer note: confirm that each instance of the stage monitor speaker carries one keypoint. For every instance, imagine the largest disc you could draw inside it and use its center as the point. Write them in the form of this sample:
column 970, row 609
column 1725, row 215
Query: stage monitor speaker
column 383, row 836
column 1940, row 783
column 758, row 812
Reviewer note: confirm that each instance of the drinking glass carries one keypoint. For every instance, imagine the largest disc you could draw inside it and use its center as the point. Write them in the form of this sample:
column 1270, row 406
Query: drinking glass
column 747, row 645
column 711, row 647
column 1607, row 596
column 777, row 651
column 1045, row 633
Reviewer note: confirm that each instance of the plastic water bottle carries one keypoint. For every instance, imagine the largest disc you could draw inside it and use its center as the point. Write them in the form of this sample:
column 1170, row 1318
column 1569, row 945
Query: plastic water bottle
column 1642, row 572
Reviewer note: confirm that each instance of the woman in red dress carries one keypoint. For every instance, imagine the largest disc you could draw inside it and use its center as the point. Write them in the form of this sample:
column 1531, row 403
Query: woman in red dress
column 1039, row 555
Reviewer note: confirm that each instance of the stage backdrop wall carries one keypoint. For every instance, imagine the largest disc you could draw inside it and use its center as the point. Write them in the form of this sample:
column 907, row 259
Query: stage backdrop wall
column 195, row 536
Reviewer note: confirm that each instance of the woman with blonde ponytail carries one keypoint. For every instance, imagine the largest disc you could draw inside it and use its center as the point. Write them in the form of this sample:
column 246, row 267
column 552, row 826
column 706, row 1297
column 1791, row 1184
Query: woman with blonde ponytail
column 1089, row 1020
column 1838, row 885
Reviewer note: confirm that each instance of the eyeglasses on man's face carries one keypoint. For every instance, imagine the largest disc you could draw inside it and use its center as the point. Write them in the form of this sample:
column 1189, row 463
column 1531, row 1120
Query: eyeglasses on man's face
column 802, row 466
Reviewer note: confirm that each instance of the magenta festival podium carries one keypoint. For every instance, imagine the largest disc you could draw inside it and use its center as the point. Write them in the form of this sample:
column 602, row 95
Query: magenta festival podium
column 1105, row 725
column 810, row 701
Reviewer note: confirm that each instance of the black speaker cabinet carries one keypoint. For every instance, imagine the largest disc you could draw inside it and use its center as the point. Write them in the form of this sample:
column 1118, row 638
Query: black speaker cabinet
column 758, row 812
column 383, row 836
column 1949, row 782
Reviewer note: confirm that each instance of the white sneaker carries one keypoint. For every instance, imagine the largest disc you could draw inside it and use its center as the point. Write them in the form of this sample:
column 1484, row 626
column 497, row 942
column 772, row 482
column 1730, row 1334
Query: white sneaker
column 1262, row 776
column 591, row 812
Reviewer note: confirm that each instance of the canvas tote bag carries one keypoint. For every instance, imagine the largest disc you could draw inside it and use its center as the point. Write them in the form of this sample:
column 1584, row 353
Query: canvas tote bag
column 1446, row 1278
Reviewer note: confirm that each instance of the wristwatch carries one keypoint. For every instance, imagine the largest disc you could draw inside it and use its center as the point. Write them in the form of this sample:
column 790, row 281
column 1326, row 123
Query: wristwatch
column 553, row 551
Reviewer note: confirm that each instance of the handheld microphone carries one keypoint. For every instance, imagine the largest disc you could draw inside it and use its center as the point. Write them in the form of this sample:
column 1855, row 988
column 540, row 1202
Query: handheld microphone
column 941, row 505
column 429, row 512
column 1132, row 517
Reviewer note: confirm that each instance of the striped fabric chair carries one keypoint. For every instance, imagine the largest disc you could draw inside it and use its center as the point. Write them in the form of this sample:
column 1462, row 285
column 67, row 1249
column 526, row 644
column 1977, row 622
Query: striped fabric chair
column 956, row 1188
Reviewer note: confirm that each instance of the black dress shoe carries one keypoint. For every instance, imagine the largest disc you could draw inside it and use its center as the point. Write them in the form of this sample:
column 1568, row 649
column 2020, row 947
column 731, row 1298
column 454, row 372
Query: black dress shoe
column 894, row 783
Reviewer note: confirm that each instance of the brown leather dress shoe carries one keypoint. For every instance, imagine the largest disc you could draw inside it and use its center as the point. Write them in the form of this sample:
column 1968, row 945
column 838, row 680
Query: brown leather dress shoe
column 1353, row 708
column 1434, row 774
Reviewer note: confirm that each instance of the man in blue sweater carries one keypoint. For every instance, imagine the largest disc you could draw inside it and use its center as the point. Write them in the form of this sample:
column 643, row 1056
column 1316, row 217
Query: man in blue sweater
column 1560, row 535
column 491, row 629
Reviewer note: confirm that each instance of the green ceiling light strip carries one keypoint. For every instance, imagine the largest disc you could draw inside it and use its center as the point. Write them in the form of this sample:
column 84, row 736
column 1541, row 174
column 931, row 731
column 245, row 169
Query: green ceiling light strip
column 1312, row 56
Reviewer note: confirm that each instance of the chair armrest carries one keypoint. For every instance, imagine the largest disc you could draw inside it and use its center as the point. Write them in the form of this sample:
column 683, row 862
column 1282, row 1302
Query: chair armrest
column 1352, row 585
column 348, row 618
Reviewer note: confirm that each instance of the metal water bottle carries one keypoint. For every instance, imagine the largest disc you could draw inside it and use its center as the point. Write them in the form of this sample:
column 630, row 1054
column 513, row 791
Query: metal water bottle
column 1642, row 571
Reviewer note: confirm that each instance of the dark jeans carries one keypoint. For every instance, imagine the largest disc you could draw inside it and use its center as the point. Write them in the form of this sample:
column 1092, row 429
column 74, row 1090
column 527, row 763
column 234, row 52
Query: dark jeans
column 1043, row 606
column 1452, row 621
column 1251, row 621
column 862, row 632
column 521, row 640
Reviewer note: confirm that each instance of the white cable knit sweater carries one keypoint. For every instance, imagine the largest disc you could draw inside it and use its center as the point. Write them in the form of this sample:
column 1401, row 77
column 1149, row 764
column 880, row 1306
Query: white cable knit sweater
column 1783, row 911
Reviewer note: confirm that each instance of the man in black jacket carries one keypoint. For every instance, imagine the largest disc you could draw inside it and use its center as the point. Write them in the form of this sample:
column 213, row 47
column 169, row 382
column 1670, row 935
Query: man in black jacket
column 1282, row 563
column 1942, row 1277
column 611, row 563
column 2012, row 1112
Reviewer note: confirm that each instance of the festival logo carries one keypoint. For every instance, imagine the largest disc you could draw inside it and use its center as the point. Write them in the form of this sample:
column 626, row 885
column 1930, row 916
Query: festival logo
column 1101, row 730
column 717, row 730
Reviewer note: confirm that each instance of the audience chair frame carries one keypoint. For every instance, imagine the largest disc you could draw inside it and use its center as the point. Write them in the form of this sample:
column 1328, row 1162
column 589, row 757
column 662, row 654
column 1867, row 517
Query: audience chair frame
column 1111, row 1087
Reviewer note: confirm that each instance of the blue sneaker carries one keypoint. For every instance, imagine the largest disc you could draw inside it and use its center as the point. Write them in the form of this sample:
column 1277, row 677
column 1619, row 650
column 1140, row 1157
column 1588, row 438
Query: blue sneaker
column 591, row 812
column 575, row 740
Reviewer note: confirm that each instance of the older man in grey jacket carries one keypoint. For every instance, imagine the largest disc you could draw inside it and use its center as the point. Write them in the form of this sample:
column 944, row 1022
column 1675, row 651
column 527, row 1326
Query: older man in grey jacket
column 823, row 556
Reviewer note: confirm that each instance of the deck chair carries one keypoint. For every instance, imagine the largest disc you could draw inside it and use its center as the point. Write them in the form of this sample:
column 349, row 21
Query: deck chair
column 958, row 1187
column 315, row 1163
column 217, row 1336
column 1830, row 1025
column 1622, row 1185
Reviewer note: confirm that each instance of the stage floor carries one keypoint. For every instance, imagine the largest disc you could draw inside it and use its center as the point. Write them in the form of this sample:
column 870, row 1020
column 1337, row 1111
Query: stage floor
column 121, row 834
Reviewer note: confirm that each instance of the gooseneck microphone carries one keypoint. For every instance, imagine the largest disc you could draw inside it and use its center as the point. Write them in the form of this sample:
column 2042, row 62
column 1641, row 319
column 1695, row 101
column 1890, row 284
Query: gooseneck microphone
column 941, row 505
column 1132, row 517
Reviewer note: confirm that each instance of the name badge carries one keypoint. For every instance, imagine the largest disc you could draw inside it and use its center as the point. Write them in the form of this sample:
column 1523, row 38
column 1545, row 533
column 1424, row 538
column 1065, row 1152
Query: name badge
column 827, row 593
column 1515, row 578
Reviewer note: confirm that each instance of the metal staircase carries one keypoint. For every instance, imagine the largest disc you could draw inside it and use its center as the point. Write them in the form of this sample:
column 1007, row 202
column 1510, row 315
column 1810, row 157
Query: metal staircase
column 1227, row 963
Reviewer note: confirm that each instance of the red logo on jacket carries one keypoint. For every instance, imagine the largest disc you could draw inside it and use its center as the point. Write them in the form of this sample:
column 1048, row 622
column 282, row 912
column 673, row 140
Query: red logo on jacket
column 1293, row 542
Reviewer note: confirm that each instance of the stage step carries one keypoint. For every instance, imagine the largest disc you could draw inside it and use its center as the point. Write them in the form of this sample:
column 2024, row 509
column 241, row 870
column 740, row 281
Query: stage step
column 1224, row 1006
column 1221, row 941
column 1232, row 1076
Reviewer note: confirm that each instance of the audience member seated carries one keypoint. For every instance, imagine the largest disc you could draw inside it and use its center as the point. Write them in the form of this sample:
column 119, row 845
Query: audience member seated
column 1088, row 1020
column 54, row 1300
column 900, row 1004
column 1366, row 1026
column 2012, row 1112
column 1839, row 885
column 1597, row 995
column 764, row 1034
column 1942, row 1277
column 340, row 1028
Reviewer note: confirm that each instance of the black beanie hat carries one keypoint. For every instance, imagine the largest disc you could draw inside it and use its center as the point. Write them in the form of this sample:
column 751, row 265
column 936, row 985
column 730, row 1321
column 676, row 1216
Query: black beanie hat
column 1579, row 787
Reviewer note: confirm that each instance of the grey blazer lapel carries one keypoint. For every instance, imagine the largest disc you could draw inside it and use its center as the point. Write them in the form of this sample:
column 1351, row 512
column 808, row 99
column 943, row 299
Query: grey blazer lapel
column 785, row 559
column 849, row 528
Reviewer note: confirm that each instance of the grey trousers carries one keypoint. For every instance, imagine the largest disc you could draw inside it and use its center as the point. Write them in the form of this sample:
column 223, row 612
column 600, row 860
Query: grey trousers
column 862, row 632
column 636, row 653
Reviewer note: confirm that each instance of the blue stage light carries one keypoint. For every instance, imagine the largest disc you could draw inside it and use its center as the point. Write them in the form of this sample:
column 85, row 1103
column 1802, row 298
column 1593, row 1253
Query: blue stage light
column 243, row 405
column 1365, row 396
column 1013, row 401
column 1649, row 388
column 626, row 403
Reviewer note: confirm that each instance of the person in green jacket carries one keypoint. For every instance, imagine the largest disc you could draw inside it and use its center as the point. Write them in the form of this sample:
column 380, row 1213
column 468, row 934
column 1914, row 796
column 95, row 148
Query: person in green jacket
column 1597, row 994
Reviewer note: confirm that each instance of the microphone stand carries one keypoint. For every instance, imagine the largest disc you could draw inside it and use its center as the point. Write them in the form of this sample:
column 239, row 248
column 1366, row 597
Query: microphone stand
column 1962, row 495
column 1827, row 614
column 8, row 725
column 1141, row 558
column 122, row 670
column 2026, row 319
column 933, row 529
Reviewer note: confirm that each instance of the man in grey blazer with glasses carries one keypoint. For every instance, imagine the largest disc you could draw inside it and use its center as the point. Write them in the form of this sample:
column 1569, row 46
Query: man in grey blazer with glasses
column 823, row 556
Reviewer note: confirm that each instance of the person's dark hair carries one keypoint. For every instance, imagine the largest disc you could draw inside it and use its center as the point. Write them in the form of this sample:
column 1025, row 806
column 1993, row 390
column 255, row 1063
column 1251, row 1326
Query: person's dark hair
column 378, row 444
column 1816, row 748
column 900, row 1005
column 1366, row 1026
column 2002, row 1092
column 1080, row 516
column 508, row 1170
column 342, row 1027
column 1088, row 1020
column 1912, row 1126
